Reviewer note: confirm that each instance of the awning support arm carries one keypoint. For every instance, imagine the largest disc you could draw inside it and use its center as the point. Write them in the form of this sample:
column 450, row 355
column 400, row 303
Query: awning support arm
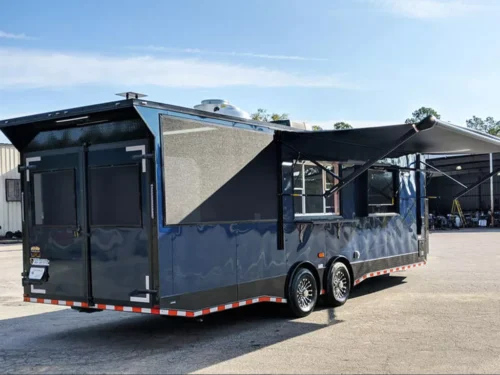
column 443, row 173
column 482, row 180
column 312, row 161
column 425, row 124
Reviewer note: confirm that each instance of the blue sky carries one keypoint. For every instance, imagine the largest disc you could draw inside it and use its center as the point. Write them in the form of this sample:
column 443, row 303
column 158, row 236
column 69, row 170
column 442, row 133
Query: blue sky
column 367, row 62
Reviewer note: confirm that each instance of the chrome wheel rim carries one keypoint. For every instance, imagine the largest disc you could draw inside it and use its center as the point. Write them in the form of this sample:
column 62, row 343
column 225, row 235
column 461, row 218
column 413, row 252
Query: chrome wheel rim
column 340, row 285
column 305, row 294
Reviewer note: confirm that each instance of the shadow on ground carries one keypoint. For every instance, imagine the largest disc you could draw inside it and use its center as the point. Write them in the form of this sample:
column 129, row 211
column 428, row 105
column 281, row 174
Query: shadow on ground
column 68, row 341
column 377, row 284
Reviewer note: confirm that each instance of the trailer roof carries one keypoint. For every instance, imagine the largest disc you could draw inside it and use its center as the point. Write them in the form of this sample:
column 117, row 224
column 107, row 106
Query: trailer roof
column 436, row 137
column 130, row 103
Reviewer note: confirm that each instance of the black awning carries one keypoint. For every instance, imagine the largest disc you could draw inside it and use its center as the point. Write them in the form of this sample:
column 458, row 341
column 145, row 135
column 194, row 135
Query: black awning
column 431, row 137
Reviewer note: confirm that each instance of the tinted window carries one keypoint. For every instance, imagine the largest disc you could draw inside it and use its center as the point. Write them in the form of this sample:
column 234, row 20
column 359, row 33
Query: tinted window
column 115, row 196
column 54, row 198
column 381, row 195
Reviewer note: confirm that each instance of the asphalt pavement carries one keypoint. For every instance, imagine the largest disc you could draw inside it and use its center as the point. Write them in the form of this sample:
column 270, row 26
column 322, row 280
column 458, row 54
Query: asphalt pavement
column 441, row 318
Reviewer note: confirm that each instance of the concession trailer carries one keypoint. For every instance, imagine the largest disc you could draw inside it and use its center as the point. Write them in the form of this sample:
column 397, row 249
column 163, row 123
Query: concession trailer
column 139, row 206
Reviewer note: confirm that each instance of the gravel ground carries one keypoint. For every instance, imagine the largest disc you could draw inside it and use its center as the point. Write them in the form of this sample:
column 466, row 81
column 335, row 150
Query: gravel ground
column 442, row 318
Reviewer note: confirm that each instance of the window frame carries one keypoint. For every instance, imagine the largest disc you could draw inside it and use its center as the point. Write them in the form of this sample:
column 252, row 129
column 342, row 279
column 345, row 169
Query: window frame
column 33, row 200
column 7, row 180
column 335, row 196
column 217, row 124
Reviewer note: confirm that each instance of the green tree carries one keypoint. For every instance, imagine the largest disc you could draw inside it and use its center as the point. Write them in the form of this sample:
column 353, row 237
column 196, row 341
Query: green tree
column 316, row 127
column 262, row 115
column 488, row 125
column 342, row 125
column 422, row 113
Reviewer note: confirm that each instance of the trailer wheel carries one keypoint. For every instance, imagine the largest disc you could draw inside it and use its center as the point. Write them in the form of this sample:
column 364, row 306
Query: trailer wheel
column 338, row 285
column 302, row 293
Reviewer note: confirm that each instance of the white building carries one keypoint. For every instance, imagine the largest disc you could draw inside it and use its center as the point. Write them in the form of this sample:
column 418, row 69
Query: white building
column 10, row 190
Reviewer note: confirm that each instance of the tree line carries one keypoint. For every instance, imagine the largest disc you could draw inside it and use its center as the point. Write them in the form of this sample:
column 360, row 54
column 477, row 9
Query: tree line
column 489, row 125
column 262, row 115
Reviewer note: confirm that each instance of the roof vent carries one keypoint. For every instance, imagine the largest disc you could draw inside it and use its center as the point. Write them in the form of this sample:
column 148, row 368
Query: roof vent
column 222, row 107
column 131, row 95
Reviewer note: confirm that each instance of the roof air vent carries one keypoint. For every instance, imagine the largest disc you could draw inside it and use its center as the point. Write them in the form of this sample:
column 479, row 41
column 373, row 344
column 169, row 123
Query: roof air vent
column 222, row 107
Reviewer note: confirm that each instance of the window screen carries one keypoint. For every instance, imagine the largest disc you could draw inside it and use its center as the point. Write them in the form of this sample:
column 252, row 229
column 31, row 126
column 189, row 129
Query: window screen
column 115, row 196
column 12, row 190
column 54, row 198
column 217, row 173
column 381, row 196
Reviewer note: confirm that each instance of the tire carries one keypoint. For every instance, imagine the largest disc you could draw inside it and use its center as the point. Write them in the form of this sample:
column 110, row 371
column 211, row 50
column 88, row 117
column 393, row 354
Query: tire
column 338, row 285
column 302, row 293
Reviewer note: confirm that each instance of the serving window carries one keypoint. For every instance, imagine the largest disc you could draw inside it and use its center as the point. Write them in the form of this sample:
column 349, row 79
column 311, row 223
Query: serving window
column 216, row 173
column 382, row 191
column 310, row 182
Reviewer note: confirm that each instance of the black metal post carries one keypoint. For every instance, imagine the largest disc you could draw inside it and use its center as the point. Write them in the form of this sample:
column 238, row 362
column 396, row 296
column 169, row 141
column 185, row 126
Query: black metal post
column 279, row 172
column 418, row 183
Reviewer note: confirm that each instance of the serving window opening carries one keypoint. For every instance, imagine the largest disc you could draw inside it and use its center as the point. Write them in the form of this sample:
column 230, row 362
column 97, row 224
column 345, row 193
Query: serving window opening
column 214, row 173
column 382, row 191
column 310, row 183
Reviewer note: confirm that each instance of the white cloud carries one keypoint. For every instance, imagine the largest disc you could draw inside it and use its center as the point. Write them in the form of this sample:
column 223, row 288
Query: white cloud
column 196, row 51
column 7, row 35
column 20, row 68
column 428, row 9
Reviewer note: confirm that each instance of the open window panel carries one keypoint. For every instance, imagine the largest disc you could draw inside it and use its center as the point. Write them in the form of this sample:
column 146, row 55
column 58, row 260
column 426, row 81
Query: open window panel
column 382, row 191
column 310, row 183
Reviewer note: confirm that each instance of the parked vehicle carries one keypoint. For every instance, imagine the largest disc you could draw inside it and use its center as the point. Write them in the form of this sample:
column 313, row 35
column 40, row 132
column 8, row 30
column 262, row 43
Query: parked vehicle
column 146, row 207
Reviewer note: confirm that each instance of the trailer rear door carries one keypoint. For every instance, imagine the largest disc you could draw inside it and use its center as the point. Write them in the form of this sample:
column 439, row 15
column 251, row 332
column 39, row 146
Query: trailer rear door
column 89, row 217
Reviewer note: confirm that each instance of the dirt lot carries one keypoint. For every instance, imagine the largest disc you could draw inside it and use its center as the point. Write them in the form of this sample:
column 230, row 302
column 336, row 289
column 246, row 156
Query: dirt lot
column 442, row 318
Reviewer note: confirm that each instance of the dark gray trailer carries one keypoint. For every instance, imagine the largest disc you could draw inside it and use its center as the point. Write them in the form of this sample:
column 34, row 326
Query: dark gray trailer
column 146, row 207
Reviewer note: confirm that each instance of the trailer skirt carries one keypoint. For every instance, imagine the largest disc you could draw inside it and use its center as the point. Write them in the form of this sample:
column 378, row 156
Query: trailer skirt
column 158, row 311
column 388, row 271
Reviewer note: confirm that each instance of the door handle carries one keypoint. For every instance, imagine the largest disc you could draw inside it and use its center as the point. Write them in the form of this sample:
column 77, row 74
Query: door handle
column 78, row 232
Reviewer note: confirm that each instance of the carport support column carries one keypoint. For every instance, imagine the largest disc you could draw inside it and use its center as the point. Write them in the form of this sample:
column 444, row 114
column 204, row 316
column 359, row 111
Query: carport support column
column 492, row 201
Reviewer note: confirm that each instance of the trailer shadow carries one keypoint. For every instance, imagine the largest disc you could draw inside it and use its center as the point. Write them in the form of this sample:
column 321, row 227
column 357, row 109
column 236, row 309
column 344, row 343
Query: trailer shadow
column 377, row 284
column 110, row 342
column 67, row 341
